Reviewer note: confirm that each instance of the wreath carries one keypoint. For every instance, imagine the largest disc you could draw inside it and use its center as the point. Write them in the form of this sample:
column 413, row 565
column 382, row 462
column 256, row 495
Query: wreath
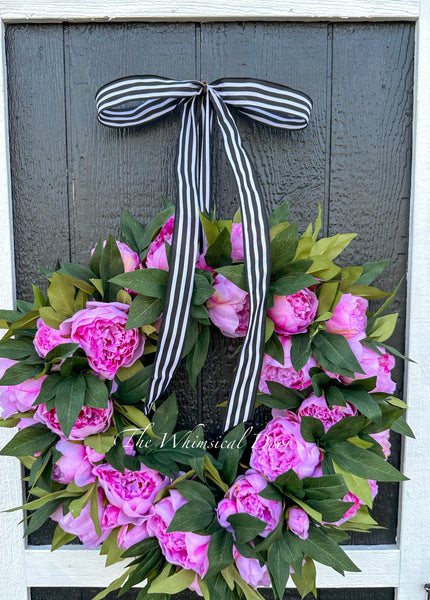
column 221, row 516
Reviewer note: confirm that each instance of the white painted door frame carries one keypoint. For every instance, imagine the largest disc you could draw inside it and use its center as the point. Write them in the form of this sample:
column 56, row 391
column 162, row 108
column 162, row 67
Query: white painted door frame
column 405, row 566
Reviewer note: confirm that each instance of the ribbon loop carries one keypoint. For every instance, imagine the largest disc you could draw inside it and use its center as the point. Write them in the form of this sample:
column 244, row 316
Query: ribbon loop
column 136, row 100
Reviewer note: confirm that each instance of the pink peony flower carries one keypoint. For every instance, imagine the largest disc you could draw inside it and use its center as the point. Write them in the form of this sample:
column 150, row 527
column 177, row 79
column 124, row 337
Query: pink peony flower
column 133, row 492
column 251, row 571
column 83, row 525
column 383, row 439
column 350, row 497
column 374, row 364
column 298, row 522
column 280, row 447
column 129, row 257
column 131, row 534
column 46, row 338
column 293, row 314
column 229, row 307
column 100, row 331
column 89, row 421
column 75, row 464
column 20, row 397
column 185, row 549
column 349, row 316
column 156, row 257
column 317, row 408
column 109, row 519
column 285, row 374
column 242, row 497
column 237, row 252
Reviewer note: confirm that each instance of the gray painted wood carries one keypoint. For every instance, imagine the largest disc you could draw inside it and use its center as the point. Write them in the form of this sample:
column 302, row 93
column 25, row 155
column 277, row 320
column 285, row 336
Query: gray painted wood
column 354, row 158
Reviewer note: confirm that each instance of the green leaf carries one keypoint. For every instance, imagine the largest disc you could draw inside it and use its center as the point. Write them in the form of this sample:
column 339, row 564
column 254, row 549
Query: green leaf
column 17, row 349
column 61, row 351
column 165, row 417
column 341, row 431
column 327, row 296
column 331, row 510
column 61, row 294
column 328, row 486
column 246, row 527
column 366, row 291
column 280, row 214
column 134, row 388
column 77, row 272
column 371, row 271
column 96, row 256
column 356, row 485
column 30, row 440
column 322, row 548
column 220, row 551
column 363, row 402
column 276, row 566
column 334, row 354
column 236, row 274
column 270, row 493
column 363, row 463
column 70, row 396
column 283, row 249
column 232, row 448
column 290, row 284
column 210, row 228
column 306, row 583
column 332, row 246
column 219, row 590
column 383, row 328
column 153, row 226
column 115, row 585
column 149, row 282
column 291, row 551
column 144, row 310
column 61, row 538
column 174, row 584
column 202, row 291
column 20, row 372
column 111, row 264
column 300, row 350
column 289, row 482
column 274, row 348
column 48, row 389
column 291, row 398
column 193, row 490
column 41, row 515
column 192, row 516
column 311, row 429
column 197, row 355
column 218, row 253
column 400, row 426
column 132, row 232
column 96, row 392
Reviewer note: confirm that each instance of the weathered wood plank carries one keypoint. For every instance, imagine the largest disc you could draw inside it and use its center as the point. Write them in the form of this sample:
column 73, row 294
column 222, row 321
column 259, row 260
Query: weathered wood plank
column 370, row 174
column 38, row 150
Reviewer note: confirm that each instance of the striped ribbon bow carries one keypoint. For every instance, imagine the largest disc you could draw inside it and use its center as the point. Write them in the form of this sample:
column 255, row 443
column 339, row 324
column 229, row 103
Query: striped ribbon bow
column 135, row 100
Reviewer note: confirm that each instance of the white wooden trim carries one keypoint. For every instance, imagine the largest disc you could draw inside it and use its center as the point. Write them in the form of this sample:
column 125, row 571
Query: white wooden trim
column 73, row 566
column 12, row 564
column 205, row 10
column 414, row 518
column 405, row 568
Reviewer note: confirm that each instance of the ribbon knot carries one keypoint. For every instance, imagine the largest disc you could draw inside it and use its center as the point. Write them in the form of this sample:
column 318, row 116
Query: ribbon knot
column 136, row 100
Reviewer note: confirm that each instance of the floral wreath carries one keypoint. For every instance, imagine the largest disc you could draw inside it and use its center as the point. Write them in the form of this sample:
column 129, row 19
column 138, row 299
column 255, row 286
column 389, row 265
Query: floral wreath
column 221, row 517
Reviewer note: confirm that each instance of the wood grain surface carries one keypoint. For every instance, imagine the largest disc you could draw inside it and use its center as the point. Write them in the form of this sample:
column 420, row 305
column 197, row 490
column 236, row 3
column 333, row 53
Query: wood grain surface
column 73, row 177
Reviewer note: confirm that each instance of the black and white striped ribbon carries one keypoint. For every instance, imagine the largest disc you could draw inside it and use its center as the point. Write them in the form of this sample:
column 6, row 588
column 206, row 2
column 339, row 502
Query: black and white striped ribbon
column 136, row 100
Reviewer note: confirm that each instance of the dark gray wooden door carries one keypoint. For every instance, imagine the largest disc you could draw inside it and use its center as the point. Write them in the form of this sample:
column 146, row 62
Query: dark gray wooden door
column 72, row 178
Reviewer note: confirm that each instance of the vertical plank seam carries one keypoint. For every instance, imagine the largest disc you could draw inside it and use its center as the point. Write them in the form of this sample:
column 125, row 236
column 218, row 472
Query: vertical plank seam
column 69, row 179
column 329, row 113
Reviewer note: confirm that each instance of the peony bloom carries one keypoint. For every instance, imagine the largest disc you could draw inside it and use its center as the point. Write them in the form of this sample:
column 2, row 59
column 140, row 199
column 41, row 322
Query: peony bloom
column 185, row 549
column 251, row 571
column 89, row 421
column 100, row 331
column 285, row 374
column 133, row 492
column 237, row 252
column 350, row 497
column 293, row 314
column 129, row 257
column 383, row 439
column 20, row 397
column 76, row 463
column 374, row 364
column 131, row 534
column 298, row 522
column 83, row 525
column 156, row 257
column 317, row 408
column 229, row 307
column 46, row 338
column 280, row 447
column 243, row 497
column 349, row 316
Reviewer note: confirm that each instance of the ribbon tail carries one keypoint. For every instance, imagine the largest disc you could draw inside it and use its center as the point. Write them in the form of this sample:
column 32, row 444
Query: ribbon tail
column 257, row 265
column 183, row 256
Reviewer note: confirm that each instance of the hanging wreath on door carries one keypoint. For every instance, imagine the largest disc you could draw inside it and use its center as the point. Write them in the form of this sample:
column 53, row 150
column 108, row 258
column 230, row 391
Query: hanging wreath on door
column 83, row 380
